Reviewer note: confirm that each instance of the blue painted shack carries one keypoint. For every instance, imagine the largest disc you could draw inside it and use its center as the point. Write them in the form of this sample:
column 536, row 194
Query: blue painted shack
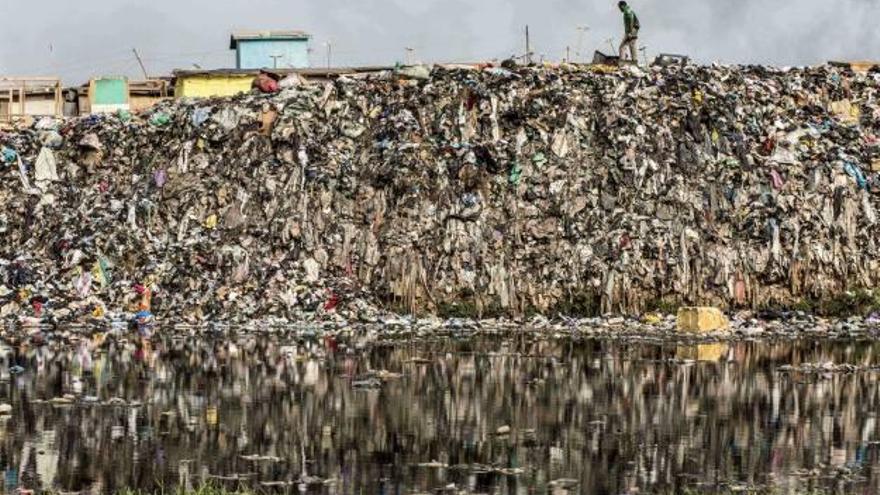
column 270, row 49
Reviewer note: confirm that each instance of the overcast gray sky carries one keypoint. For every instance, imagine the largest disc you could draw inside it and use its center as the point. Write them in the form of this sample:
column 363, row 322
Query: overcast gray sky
column 80, row 39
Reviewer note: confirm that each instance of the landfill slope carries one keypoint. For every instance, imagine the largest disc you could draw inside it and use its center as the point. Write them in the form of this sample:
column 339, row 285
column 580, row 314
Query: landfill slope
column 549, row 190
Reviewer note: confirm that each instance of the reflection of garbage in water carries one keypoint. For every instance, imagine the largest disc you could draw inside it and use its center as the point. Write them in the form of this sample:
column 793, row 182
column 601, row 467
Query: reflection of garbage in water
column 702, row 352
column 531, row 412
column 211, row 416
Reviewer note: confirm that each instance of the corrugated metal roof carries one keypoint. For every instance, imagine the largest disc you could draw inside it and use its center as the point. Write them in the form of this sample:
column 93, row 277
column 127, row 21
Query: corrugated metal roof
column 283, row 34
column 138, row 87
column 29, row 82
column 313, row 72
column 215, row 72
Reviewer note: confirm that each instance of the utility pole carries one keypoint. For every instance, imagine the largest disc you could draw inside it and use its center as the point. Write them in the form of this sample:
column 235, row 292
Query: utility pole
column 528, row 47
column 610, row 42
column 329, row 54
column 140, row 62
column 275, row 60
column 582, row 30
column 644, row 51
column 568, row 54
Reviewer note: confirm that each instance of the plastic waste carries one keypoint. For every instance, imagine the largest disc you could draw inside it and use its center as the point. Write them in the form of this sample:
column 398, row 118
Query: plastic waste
column 160, row 119
column 8, row 155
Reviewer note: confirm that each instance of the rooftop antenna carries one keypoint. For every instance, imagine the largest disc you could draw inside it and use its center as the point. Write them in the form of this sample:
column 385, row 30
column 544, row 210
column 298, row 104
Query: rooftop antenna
column 408, row 59
column 140, row 62
column 610, row 42
column 275, row 60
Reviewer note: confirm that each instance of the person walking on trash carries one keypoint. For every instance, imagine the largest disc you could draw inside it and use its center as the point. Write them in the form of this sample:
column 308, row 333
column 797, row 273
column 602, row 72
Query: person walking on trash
column 631, row 32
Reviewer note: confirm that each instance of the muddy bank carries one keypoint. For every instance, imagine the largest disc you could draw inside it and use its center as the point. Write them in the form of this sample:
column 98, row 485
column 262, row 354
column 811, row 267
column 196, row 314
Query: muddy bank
column 651, row 328
column 463, row 193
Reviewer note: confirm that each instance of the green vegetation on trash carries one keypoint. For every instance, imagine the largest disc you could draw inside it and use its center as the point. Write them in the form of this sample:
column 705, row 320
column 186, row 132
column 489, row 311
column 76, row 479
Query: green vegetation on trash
column 741, row 491
column 663, row 306
column 860, row 302
column 202, row 490
column 462, row 309
column 585, row 304
column 468, row 308
column 213, row 490
column 580, row 304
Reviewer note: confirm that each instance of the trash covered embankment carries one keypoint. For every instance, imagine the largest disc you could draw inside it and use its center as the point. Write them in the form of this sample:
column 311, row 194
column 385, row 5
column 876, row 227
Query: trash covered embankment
column 538, row 190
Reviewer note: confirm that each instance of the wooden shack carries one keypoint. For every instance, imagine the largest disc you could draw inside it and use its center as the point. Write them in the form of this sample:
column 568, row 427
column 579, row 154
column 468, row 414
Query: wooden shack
column 30, row 96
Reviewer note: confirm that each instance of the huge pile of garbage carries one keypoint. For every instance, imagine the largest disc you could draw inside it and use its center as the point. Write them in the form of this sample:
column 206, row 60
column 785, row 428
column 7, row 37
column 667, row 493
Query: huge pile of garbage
column 482, row 190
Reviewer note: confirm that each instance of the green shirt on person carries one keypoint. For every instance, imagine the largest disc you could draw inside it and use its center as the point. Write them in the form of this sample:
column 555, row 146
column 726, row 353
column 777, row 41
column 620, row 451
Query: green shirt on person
column 630, row 21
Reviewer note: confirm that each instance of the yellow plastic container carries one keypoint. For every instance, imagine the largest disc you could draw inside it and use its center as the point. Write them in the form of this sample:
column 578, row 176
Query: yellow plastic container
column 701, row 319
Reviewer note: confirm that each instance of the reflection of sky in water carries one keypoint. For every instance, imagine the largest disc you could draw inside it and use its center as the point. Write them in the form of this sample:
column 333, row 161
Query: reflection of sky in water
column 484, row 415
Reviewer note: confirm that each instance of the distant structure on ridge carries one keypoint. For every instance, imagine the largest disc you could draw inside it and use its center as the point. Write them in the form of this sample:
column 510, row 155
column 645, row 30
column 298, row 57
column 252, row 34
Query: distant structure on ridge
column 286, row 49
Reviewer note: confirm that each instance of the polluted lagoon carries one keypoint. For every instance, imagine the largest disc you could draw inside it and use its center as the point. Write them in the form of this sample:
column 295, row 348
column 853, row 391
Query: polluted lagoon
column 453, row 412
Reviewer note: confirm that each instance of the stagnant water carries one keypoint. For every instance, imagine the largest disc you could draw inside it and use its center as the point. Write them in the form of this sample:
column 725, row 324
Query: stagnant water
column 484, row 414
